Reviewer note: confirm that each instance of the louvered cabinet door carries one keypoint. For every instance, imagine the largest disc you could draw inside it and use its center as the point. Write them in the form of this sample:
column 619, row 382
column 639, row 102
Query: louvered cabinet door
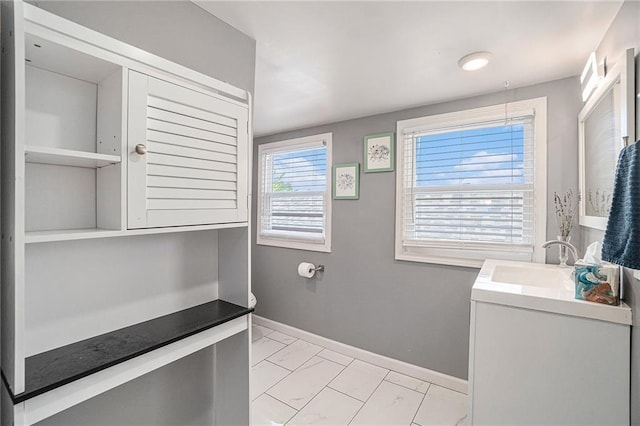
column 190, row 167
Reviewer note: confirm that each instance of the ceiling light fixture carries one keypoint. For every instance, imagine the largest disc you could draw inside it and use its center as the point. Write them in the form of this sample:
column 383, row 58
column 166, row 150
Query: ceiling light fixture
column 475, row 61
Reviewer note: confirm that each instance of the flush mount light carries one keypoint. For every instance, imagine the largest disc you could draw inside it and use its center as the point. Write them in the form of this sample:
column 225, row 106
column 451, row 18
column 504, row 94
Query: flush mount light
column 475, row 61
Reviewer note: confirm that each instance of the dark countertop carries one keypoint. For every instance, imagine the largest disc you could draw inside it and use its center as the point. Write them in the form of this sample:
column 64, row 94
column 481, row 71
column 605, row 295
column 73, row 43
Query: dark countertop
column 57, row 367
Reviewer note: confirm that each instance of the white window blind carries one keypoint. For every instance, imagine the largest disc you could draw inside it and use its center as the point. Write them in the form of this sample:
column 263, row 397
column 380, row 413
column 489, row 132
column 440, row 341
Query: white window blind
column 294, row 193
column 468, row 189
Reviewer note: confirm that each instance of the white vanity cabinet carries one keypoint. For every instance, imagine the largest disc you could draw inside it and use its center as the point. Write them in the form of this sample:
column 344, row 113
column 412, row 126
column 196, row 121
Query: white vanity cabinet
column 125, row 232
column 538, row 356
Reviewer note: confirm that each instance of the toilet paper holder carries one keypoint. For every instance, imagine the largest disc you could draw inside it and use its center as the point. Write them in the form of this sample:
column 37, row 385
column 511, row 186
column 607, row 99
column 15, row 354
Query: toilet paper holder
column 308, row 270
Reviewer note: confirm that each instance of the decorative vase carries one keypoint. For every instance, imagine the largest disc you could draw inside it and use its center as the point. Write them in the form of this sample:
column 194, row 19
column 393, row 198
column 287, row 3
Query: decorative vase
column 563, row 254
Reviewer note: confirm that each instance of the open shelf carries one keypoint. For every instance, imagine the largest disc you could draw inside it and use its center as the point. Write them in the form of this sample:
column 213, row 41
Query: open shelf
column 68, row 157
column 55, row 368
column 32, row 237
column 69, row 234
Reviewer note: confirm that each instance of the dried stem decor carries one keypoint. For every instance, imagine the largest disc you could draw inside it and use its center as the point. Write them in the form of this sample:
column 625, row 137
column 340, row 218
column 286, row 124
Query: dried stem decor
column 566, row 207
column 600, row 201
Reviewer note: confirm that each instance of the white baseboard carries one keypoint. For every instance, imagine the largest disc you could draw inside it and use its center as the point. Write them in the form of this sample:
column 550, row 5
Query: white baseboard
column 440, row 379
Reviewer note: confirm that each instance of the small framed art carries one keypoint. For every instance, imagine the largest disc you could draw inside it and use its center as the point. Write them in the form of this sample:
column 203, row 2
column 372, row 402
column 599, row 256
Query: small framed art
column 346, row 181
column 378, row 153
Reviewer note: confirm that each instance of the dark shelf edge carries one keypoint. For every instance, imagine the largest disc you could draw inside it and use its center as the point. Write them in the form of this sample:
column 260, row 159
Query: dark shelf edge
column 16, row 399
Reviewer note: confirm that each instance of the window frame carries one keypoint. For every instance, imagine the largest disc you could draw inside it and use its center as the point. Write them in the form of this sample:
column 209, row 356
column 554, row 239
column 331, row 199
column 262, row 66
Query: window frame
column 284, row 241
column 475, row 257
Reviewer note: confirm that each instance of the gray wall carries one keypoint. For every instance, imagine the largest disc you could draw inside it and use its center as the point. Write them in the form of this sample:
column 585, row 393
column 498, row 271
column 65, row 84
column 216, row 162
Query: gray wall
column 414, row 312
column 624, row 33
column 176, row 30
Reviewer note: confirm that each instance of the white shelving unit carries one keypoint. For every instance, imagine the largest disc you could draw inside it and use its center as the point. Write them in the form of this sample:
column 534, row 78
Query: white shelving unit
column 101, row 237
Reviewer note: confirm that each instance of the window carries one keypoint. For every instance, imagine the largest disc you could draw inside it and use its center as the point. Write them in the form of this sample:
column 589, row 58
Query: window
column 471, row 185
column 294, row 207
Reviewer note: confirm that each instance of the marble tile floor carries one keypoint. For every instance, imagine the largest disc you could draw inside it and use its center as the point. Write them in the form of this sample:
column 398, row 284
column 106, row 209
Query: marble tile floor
column 298, row 383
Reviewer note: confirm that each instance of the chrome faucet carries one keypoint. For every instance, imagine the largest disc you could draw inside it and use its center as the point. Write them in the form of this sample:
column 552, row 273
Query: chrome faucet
column 573, row 249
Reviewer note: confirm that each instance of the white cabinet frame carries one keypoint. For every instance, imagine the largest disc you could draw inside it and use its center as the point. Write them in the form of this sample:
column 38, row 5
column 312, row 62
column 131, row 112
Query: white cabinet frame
column 232, row 339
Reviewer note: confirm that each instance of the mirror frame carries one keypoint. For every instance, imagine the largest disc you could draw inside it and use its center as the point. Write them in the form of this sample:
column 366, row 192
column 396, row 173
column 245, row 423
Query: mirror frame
column 622, row 72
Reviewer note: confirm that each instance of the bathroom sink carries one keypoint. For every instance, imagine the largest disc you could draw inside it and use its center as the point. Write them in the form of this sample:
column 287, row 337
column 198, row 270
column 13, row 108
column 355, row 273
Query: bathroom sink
column 540, row 287
column 533, row 275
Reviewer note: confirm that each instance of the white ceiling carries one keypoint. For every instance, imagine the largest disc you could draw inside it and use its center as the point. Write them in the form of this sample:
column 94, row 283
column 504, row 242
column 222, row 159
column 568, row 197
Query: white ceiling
column 321, row 62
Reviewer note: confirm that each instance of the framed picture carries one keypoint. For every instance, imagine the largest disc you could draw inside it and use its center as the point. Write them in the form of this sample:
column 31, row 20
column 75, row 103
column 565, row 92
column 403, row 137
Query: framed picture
column 378, row 153
column 346, row 181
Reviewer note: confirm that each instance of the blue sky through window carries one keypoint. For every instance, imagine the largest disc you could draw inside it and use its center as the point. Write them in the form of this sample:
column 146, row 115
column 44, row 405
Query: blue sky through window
column 485, row 156
column 300, row 170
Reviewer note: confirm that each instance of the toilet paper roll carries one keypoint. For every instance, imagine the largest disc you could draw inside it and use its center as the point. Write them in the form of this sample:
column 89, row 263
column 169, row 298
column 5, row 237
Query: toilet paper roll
column 306, row 270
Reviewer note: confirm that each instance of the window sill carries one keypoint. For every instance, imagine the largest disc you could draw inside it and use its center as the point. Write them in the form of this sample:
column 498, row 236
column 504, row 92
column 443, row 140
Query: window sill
column 467, row 263
column 471, row 259
column 297, row 245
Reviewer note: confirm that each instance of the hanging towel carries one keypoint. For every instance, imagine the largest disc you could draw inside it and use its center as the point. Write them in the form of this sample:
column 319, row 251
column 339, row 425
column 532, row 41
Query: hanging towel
column 621, row 243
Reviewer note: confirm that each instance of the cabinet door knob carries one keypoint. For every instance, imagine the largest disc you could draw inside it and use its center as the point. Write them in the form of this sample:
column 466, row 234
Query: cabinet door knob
column 141, row 149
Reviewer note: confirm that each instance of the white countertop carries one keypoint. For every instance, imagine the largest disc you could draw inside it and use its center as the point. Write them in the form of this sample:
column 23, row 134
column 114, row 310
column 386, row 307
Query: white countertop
column 548, row 288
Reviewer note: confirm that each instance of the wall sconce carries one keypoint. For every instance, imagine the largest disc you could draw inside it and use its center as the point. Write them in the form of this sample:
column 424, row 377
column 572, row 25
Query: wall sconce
column 589, row 78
